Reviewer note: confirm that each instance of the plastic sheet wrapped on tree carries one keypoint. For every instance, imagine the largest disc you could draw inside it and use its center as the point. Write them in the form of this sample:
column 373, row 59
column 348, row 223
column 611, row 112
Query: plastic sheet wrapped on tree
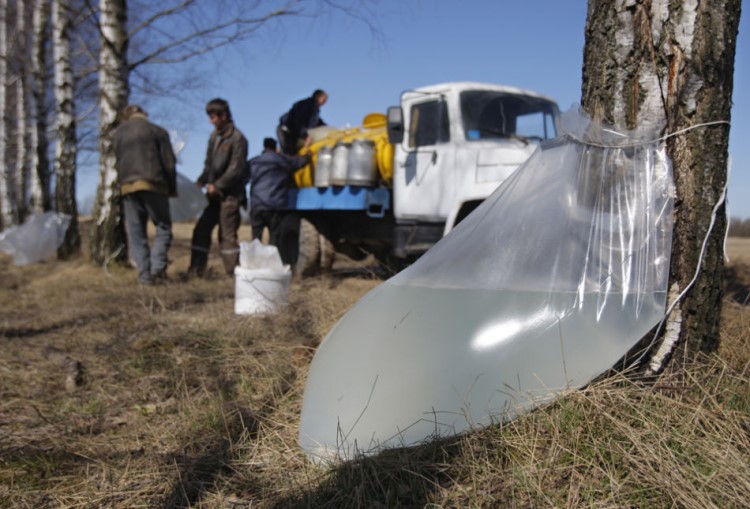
column 550, row 282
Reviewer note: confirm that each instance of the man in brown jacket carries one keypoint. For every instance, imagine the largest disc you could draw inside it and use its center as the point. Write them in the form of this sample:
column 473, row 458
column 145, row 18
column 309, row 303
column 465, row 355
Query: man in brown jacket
column 224, row 177
column 146, row 171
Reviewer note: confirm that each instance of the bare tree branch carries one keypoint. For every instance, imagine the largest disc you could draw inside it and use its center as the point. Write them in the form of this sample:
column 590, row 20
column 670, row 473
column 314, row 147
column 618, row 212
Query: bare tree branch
column 359, row 10
column 246, row 27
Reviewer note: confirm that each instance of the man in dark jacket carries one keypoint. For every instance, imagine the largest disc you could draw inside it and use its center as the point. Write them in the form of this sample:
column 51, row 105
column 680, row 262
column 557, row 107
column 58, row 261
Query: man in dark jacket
column 293, row 125
column 270, row 179
column 224, row 177
column 146, row 172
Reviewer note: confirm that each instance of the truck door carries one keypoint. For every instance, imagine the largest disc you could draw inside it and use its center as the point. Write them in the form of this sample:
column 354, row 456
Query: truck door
column 420, row 180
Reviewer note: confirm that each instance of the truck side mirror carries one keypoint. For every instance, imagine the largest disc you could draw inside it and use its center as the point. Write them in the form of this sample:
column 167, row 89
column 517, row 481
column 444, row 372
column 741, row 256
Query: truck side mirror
column 395, row 125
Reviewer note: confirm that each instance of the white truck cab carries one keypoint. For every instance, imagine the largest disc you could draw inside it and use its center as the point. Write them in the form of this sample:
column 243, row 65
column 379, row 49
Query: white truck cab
column 454, row 144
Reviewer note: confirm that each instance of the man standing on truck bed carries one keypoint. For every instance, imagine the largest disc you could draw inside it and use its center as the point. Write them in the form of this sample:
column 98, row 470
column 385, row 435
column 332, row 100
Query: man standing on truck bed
column 303, row 115
column 270, row 179
column 224, row 177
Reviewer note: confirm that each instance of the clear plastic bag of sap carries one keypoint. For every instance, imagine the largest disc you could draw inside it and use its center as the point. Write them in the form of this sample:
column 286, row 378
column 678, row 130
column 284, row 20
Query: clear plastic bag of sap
column 546, row 285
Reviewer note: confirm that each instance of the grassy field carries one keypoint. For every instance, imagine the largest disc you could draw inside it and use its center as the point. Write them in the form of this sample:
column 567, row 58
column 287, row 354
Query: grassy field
column 116, row 395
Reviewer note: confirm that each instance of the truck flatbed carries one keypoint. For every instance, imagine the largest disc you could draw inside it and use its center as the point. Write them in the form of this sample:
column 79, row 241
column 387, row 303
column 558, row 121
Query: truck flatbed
column 373, row 200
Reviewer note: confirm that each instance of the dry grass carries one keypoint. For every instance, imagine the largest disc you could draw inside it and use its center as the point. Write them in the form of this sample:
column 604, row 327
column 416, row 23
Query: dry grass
column 180, row 403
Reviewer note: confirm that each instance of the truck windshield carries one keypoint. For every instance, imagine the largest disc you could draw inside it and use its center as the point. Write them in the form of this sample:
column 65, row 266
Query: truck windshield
column 494, row 115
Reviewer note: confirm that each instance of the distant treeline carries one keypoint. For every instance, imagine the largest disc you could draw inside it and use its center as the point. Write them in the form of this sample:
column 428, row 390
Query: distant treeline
column 739, row 227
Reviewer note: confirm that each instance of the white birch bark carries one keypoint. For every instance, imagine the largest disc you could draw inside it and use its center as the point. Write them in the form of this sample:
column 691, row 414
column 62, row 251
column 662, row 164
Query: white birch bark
column 39, row 186
column 108, row 235
column 670, row 64
column 65, row 128
column 7, row 217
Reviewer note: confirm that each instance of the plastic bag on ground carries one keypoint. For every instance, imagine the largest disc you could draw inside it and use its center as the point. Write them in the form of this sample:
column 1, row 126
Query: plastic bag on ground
column 35, row 240
column 258, row 256
column 551, row 281
column 261, row 280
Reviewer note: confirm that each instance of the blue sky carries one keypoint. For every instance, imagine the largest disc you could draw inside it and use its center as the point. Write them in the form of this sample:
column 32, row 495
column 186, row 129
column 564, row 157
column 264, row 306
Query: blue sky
column 534, row 44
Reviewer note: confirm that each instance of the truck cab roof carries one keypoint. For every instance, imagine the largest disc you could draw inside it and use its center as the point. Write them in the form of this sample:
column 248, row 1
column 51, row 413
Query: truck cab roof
column 460, row 86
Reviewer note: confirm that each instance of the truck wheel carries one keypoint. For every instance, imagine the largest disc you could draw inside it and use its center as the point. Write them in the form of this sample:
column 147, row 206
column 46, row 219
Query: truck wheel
column 308, row 262
column 327, row 253
column 316, row 251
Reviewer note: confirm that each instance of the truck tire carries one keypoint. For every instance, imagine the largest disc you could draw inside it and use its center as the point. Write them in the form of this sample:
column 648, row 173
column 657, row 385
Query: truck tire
column 327, row 253
column 316, row 251
column 308, row 262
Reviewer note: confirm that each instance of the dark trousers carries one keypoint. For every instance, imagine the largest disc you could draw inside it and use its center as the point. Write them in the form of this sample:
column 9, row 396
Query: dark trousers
column 138, row 208
column 289, row 143
column 283, row 227
column 225, row 213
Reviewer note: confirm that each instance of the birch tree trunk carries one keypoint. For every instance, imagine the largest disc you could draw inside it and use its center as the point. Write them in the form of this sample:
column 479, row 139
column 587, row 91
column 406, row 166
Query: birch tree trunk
column 40, row 199
column 108, row 241
column 65, row 148
column 670, row 63
column 22, row 107
column 7, row 217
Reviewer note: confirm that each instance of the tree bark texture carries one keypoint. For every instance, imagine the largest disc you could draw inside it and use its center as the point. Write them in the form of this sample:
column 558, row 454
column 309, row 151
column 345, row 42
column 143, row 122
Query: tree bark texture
column 22, row 124
column 7, row 216
column 670, row 65
column 40, row 199
column 65, row 149
column 108, row 241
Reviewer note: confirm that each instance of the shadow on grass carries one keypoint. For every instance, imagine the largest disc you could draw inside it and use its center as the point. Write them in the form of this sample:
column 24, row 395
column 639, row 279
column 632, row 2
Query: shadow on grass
column 207, row 457
column 408, row 477
column 197, row 470
column 40, row 328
